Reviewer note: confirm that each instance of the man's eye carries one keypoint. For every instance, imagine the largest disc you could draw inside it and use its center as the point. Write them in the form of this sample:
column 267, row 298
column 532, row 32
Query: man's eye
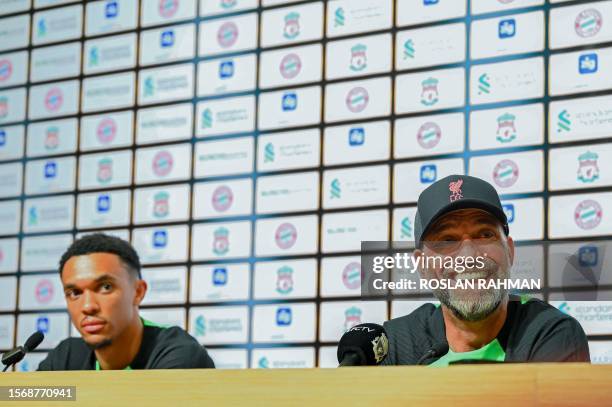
column 487, row 234
column 106, row 287
column 71, row 294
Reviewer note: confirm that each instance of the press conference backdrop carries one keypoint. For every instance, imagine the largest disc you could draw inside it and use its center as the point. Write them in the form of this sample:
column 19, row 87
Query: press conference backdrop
column 246, row 147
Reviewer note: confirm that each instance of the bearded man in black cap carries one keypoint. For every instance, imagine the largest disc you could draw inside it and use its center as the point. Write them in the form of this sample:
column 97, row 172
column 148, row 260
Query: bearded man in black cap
column 462, row 216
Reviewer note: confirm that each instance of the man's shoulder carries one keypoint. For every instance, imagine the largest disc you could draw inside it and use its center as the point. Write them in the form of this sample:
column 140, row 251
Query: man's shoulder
column 538, row 316
column 535, row 319
column 176, row 346
column 69, row 354
column 540, row 312
column 411, row 335
column 176, row 335
column 72, row 345
column 542, row 332
column 421, row 316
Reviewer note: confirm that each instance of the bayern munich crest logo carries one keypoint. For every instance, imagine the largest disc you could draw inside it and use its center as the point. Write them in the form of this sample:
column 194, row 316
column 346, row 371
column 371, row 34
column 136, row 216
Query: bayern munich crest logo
column 290, row 66
column 54, row 99
column 44, row 291
column 168, row 8
column 162, row 163
column 6, row 69
column 429, row 135
column 222, row 198
column 285, row 236
column 588, row 23
column 351, row 275
column 505, row 173
column 357, row 99
column 106, row 131
column 588, row 214
column 227, row 34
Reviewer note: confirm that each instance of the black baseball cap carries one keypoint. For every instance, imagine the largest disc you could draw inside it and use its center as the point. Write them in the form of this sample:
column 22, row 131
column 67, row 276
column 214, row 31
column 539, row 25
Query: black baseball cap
column 452, row 193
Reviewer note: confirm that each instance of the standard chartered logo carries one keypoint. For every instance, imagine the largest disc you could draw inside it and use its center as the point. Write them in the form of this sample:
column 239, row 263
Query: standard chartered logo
column 217, row 325
column 207, row 118
column 563, row 123
column 339, row 18
column 335, row 189
column 409, row 50
column 269, row 153
column 263, row 362
column 42, row 28
column 149, row 87
column 484, row 86
column 94, row 57
column 228, row 4
column 33, row 216
column 200, row 326
column 602, row 312
column 406, row 228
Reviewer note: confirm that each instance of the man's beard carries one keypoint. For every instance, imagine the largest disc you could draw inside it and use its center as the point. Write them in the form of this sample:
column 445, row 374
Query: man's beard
column 477, row 304
column 100, row 345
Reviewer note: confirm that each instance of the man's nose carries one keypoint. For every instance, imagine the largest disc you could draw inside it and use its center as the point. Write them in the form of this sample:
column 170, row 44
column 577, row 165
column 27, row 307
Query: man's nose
column 467, row 247
column 90, row 305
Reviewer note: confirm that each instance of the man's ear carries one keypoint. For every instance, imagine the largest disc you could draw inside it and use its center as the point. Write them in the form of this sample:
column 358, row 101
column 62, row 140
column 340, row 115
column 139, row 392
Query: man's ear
column 141, row 290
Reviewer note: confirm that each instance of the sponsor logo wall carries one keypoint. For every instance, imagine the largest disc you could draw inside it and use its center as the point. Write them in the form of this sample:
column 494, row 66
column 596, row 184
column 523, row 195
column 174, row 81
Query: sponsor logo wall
column 246, row 147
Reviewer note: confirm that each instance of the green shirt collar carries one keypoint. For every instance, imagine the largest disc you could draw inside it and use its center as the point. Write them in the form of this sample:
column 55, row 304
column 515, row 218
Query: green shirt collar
column 144, row 323
column 492, row 351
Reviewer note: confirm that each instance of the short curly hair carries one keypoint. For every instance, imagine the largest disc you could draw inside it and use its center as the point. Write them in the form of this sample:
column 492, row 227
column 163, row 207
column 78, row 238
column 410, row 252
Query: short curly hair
column 101, row 243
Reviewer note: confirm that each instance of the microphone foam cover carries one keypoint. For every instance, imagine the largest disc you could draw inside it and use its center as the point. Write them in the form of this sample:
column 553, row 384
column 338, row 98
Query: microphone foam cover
column 369, row 341
column 33, row 341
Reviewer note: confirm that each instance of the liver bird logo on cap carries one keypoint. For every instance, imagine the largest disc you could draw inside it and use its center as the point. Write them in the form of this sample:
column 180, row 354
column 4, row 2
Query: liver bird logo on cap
column 455, row 189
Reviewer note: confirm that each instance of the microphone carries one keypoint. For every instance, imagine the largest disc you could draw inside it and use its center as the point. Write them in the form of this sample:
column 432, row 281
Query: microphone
column 17, row 354
column 439, row 349
column 363, row 345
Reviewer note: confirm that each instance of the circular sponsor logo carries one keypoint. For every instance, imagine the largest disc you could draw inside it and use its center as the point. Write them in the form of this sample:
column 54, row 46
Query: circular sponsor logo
column 167, row 8
column 54, row 99
column 6, row 69
column 429, row 135
column 285, row 235
column 588, row 23
column 106, row 131
column 505, row 173
column 162, row 163
column 290, row 66
column 4, row 106
column 357, row 99
column 226, row 4
column 227, row 34
column 44, row 291
column 588, row 214
column 222, row 198
column 351, row 275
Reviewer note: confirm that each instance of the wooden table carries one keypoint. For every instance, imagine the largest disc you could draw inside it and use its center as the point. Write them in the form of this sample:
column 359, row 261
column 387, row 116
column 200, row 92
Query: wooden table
column 490, row 385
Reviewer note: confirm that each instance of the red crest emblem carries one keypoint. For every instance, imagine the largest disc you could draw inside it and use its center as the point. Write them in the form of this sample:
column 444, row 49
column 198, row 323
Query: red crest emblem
column 455, row 189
